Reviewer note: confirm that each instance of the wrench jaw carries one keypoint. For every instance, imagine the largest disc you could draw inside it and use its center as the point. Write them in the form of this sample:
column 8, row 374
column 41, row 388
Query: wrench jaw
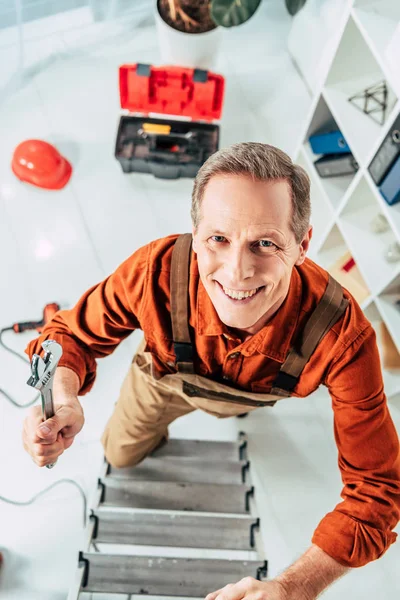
column 52, row 352
column 38, row 367
column 43, row 369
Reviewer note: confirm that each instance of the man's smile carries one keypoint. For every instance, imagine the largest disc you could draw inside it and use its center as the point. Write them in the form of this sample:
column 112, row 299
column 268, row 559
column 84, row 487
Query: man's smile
column 239, row 296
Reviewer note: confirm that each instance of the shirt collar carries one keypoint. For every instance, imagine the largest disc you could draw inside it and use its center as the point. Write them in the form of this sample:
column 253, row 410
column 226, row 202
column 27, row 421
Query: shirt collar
column 273, row 340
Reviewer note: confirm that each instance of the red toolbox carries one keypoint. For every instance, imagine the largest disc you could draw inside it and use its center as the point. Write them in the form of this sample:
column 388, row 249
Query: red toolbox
column 168, row 123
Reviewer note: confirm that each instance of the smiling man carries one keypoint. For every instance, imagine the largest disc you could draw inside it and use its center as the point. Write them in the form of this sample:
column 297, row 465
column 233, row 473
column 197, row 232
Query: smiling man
column 246, row 253
column 236, row 318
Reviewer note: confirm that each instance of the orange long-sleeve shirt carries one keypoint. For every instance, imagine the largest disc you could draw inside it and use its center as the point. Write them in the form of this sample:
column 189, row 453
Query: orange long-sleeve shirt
column 137, row 296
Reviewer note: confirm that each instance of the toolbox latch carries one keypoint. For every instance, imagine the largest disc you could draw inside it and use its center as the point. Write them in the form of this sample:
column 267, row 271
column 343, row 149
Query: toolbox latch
column 200, row 76
column 143, row 70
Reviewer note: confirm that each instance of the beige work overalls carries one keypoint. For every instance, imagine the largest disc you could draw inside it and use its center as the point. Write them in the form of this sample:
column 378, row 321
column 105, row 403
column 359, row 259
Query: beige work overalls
column 147, row 404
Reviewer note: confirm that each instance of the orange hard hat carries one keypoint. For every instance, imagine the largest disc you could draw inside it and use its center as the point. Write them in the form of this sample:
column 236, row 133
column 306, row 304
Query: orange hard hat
column 39, row 163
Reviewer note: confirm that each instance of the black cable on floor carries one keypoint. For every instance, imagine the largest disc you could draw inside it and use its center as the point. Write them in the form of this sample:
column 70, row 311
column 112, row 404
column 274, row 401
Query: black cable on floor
column 17, row 354
column 15, row 403
column 36, row 496
column 24, row 359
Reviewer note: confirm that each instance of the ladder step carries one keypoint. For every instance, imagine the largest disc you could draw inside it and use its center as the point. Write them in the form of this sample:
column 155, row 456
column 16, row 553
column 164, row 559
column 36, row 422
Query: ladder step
column 199, row 449
column 111, row 573
column 179, row 530
column 181, row 470
column 202, row 497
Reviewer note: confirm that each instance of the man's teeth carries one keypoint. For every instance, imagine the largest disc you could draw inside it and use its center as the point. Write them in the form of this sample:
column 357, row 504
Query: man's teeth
column 239, row 295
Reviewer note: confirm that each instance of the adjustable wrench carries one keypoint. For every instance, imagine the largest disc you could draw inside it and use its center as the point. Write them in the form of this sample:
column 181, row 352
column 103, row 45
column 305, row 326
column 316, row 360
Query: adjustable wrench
column 42, row 375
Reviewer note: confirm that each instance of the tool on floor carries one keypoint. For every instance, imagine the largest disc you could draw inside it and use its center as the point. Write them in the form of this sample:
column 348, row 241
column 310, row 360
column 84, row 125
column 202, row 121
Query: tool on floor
column 188, row 506
column 43, row 371
column 48, row 313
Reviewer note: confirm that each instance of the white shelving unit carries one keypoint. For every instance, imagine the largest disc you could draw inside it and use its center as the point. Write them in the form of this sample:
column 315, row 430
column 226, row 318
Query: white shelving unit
column 345, row 207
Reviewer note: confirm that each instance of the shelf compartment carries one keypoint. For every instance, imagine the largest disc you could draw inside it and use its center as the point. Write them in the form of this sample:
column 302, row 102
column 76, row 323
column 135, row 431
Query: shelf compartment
column 390, row 377
column 334, row 256
column 377, row 20
column 353, row 70
column 367, row 247
column 333, row 187
column 386, row 302
column 333, row 247
column 321, row 209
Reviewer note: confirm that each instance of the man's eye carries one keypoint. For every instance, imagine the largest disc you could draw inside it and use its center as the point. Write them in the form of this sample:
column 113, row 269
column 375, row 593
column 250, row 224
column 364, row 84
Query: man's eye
column 217, row 238
column 266, row 244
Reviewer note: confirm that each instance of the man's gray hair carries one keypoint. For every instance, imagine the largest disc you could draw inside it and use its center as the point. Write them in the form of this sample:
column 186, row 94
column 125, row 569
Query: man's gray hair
column 261, row 162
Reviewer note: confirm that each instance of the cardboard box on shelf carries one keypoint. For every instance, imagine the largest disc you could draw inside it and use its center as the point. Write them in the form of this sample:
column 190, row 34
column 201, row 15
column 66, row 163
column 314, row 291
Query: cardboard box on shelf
column 346, row 272
column 389, row 352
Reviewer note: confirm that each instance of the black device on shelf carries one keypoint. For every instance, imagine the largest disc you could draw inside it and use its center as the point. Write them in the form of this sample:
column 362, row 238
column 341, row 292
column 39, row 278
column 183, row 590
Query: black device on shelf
column 334, row 165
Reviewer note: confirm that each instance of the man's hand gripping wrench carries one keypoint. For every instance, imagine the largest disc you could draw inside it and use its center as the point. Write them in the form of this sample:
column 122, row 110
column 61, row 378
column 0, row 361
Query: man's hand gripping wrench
column 43, row 370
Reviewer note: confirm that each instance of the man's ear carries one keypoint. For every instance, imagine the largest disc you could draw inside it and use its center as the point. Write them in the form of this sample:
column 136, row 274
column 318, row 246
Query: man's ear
column 194, row 241
column 304, row 246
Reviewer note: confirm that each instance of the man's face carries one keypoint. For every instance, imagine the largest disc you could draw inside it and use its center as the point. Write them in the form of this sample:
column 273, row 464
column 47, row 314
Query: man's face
column 246, row 249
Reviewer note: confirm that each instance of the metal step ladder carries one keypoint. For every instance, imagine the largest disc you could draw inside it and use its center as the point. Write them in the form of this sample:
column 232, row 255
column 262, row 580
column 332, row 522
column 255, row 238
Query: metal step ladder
column 179, row 524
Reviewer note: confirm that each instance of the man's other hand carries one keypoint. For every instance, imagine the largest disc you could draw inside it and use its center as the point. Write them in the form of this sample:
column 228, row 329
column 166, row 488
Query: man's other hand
column 252, row 589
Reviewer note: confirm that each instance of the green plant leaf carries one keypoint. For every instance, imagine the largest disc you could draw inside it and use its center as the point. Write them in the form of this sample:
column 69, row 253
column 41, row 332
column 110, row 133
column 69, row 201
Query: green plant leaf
column 294, row 6
column 229, row 13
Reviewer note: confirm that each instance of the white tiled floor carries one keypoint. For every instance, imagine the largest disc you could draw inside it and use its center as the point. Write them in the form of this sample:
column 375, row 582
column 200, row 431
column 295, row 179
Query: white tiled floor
column 55, row 245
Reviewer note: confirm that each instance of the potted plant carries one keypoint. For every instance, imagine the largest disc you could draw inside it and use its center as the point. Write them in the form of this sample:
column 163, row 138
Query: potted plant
column 189, row 31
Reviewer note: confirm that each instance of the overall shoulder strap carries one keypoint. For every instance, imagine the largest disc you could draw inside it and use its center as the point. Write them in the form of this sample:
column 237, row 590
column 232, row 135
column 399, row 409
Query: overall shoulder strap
column 328, row 311
column 179, row 284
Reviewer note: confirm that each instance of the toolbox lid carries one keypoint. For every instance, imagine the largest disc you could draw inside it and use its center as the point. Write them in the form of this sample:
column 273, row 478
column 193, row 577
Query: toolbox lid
column 170, row 90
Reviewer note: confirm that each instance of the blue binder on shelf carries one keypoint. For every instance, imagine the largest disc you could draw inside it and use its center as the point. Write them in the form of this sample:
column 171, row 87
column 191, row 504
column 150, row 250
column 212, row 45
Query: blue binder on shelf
column 328, row 142
column 390, row 186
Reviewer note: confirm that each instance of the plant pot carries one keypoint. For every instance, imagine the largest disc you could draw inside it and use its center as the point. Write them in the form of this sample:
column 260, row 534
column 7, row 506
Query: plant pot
column 198, row 50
